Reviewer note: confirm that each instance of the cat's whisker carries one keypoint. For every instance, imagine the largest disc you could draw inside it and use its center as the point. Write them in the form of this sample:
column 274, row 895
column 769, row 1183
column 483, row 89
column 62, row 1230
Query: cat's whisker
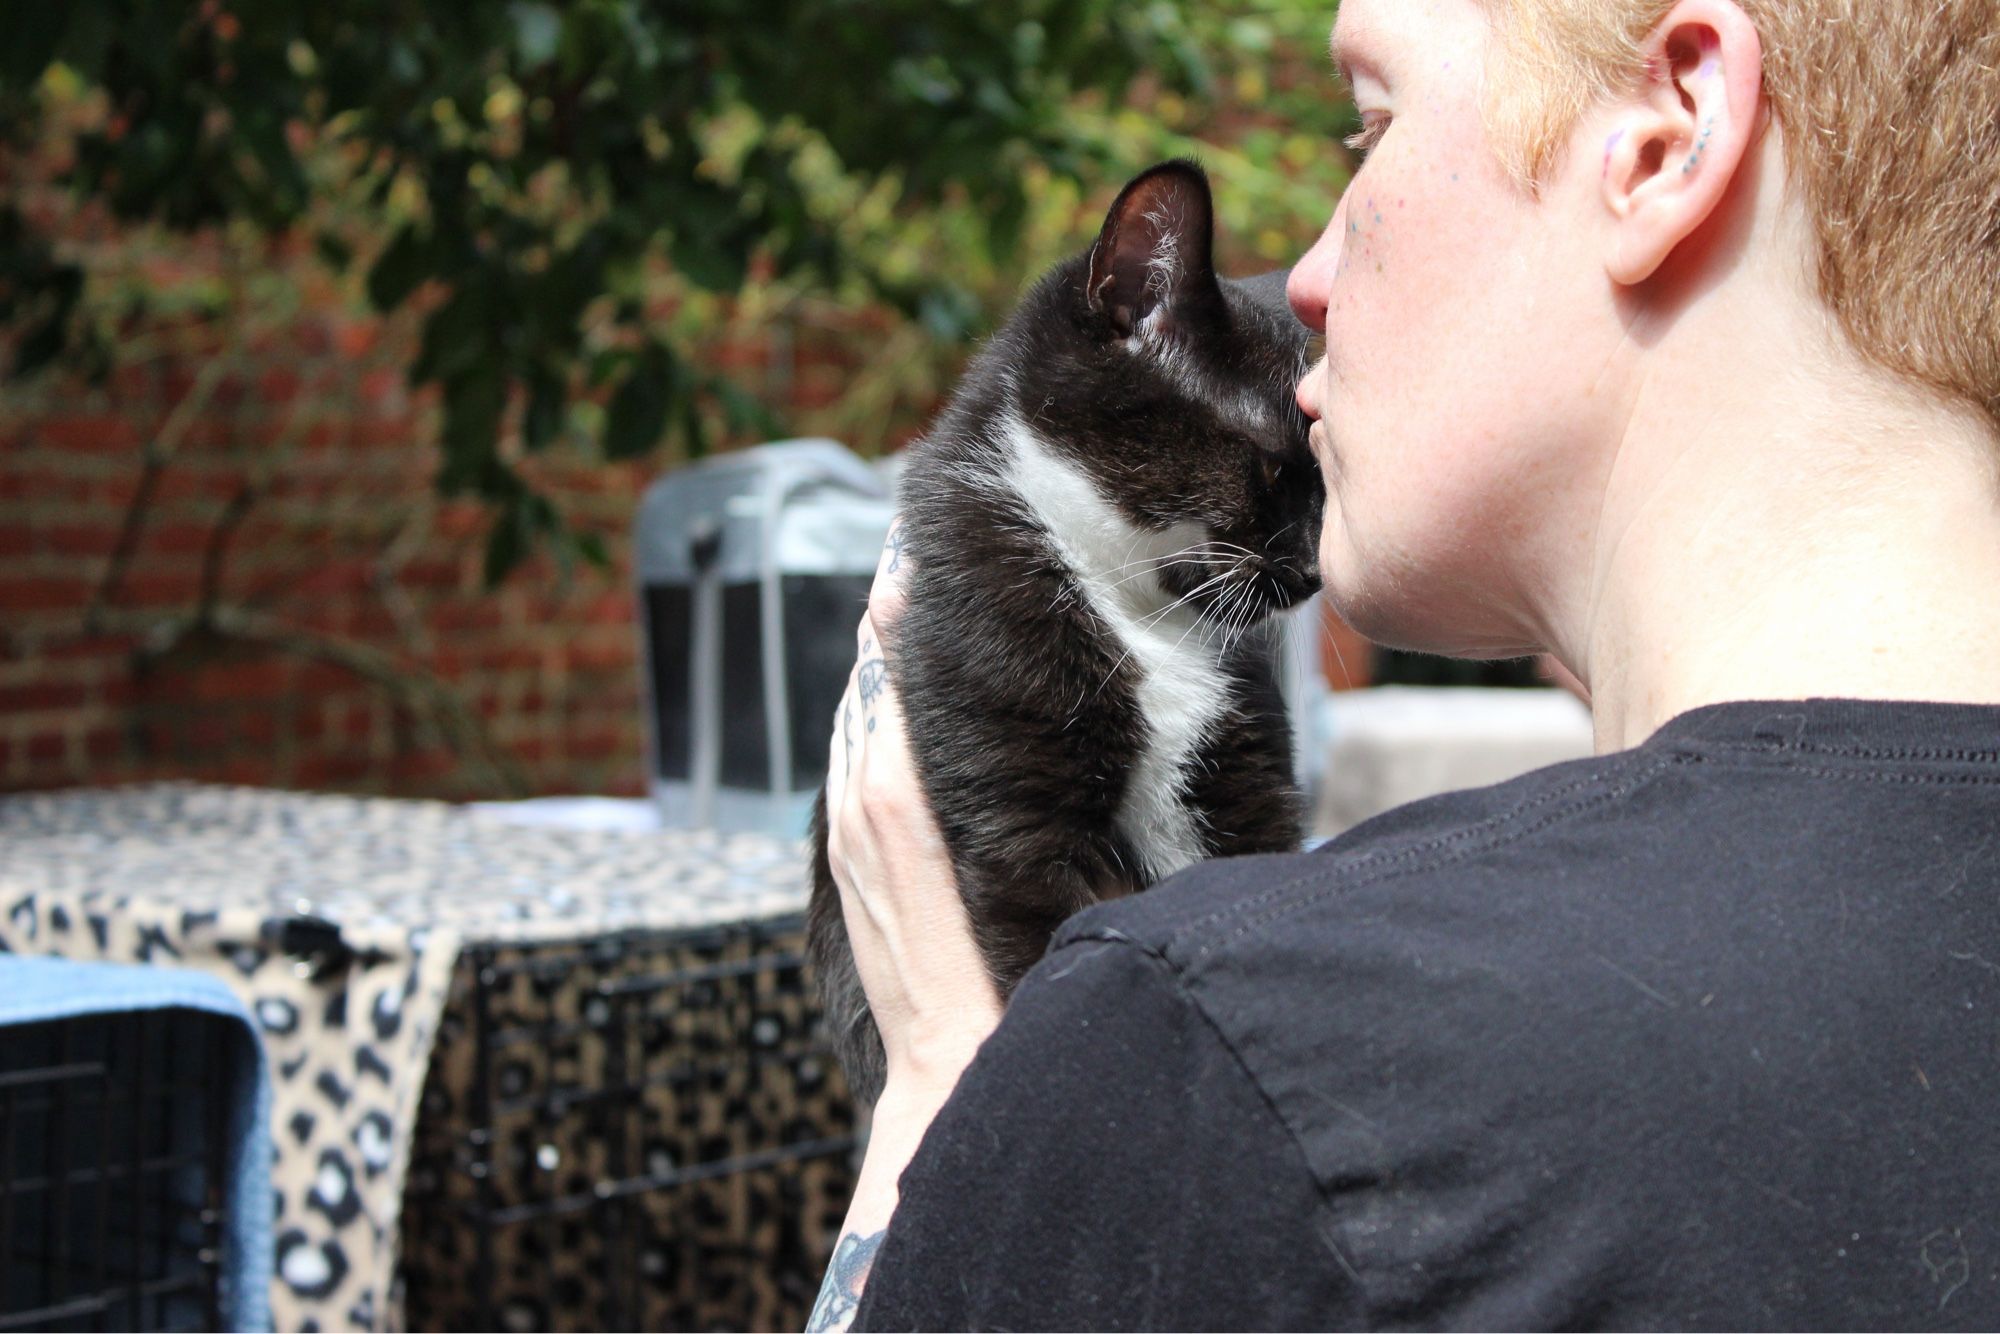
column 1250, row 613
column 1155, row 569
column 1225, row 612
column 1181, row 601
column 1205, row 624
column 1272, row 539
column 1234, row 602
column 1242, row 612
column 1332, row 641
column 1174, row 557
column 1148, row 622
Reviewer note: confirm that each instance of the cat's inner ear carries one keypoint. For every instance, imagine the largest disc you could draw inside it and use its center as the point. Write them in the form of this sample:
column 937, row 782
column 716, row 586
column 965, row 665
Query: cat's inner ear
column 1154, row 250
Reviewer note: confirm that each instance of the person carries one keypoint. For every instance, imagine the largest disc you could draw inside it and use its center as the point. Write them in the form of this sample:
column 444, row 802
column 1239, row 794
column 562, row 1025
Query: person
column 1662, row 336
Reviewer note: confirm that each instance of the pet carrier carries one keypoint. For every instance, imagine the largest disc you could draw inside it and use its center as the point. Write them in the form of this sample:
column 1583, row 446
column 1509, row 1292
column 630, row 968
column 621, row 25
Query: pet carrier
column 753, row 568
column 638, row 1131
column 133, row 1152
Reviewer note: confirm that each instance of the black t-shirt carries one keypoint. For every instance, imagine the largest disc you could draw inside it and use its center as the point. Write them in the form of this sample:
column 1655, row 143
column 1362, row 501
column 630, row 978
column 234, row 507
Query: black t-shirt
column 1702, row 1034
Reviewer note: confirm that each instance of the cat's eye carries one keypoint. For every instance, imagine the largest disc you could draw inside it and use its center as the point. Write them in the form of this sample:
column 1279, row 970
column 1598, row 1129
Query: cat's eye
column 1374, row 124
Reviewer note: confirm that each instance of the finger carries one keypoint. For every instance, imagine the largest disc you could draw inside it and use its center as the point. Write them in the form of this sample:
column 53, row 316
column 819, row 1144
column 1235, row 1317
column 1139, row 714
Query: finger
column 889, row 591
column 841, row 747
column 871, row 675
column 894, row 559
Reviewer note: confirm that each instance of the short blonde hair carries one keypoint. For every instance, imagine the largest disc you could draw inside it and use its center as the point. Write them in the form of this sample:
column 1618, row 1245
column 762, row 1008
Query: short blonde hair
column 1890, row 116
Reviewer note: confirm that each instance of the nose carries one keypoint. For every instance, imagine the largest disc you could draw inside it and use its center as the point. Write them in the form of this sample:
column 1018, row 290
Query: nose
column 1311, row 284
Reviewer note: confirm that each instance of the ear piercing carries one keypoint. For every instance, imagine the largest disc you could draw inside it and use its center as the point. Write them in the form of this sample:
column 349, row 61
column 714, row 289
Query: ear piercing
column 1699, row 144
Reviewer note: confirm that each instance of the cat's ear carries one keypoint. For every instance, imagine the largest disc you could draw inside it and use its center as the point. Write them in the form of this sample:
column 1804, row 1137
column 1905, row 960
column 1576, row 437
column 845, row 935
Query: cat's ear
column 1153, row 255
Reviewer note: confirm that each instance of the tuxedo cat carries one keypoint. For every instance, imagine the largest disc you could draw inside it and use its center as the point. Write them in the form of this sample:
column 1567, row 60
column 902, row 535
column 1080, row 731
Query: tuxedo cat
column 1116, row 496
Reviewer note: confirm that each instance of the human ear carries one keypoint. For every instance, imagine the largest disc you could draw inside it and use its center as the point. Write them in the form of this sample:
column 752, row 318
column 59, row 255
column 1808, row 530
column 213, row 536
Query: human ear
column 1680, row 135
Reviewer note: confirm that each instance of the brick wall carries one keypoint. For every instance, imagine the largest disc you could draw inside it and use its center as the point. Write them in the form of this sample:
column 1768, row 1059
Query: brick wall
column 351, row 643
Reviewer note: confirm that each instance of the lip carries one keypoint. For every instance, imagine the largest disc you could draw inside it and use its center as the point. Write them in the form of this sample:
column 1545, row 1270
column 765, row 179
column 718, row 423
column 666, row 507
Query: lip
column 1303, row 393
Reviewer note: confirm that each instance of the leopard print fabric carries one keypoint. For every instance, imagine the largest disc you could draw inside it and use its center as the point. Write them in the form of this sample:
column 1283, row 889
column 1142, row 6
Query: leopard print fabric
column 254, row 886
column 624, row 1061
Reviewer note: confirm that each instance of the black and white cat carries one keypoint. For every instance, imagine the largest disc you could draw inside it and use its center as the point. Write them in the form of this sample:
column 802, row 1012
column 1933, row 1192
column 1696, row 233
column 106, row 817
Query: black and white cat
column 1118, row 493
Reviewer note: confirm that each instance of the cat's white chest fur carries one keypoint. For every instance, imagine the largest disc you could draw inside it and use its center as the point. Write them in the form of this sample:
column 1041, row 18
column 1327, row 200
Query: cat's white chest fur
column 1182, row 688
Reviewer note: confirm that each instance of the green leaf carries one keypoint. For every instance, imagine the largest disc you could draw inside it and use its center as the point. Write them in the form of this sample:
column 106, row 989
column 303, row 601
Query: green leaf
column 509, row 542
column 547, row 399
column 34, row 32
column 695, row 429
column 40, row 346
column 462, row 333
column 473, row 403
column 1003, row 224
column 403, row 264
column 335, row 253
column 638, row 414
column 741, row 412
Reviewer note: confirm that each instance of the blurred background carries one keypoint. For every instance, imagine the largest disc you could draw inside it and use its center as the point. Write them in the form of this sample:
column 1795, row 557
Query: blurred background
column 340, row 339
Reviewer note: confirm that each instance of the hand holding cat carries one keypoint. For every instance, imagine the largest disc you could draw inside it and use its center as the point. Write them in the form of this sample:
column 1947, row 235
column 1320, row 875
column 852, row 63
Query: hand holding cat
column 912, row 941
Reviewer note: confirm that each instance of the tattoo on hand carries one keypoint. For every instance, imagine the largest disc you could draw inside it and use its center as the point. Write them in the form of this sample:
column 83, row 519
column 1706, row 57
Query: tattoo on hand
column 847, row 732
column 895, row 545
column 841, row 1293
column 872, row 679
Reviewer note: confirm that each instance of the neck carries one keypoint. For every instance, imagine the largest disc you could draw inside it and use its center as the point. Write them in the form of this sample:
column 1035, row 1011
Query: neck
column 1819, row 532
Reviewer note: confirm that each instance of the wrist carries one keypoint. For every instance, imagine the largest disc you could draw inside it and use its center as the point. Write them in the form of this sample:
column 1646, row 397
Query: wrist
column 926, row 1057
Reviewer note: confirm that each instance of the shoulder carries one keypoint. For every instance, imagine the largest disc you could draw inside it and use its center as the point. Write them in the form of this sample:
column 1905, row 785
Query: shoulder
column 1479, row 844
column 1106, row 1163
column 1568, row 895
column 1476, row 962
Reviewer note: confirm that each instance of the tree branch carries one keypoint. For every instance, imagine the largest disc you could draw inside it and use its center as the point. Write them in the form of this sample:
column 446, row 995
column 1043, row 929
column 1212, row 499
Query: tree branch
column 159, row 452
column 420, row 691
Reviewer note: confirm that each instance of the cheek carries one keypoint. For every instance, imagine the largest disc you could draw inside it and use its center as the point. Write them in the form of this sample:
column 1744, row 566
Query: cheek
column 1384, row 278
column 1366, row 236
column 1418, row 291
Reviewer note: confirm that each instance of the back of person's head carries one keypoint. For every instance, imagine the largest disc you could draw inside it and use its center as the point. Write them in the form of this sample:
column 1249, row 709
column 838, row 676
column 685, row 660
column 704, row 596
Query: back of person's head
column 1889, row 112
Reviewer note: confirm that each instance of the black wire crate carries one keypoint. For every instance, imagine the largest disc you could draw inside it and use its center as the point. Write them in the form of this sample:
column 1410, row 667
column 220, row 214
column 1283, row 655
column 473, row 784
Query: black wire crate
column 113, row 1136
column 636, row 1131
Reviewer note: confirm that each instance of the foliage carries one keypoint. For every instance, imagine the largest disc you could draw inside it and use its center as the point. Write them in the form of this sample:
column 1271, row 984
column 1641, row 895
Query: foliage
column 575, row 196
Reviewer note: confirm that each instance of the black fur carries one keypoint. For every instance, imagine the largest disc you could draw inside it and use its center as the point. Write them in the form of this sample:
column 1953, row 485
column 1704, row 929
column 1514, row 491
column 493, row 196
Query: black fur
column 1136, row 364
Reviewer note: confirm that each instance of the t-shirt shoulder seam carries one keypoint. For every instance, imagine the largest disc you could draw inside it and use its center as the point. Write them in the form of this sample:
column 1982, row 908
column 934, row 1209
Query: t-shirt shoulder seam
column 1175, row 977
column 1849, row 762
column 1348, row 865
column 1507, row 827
